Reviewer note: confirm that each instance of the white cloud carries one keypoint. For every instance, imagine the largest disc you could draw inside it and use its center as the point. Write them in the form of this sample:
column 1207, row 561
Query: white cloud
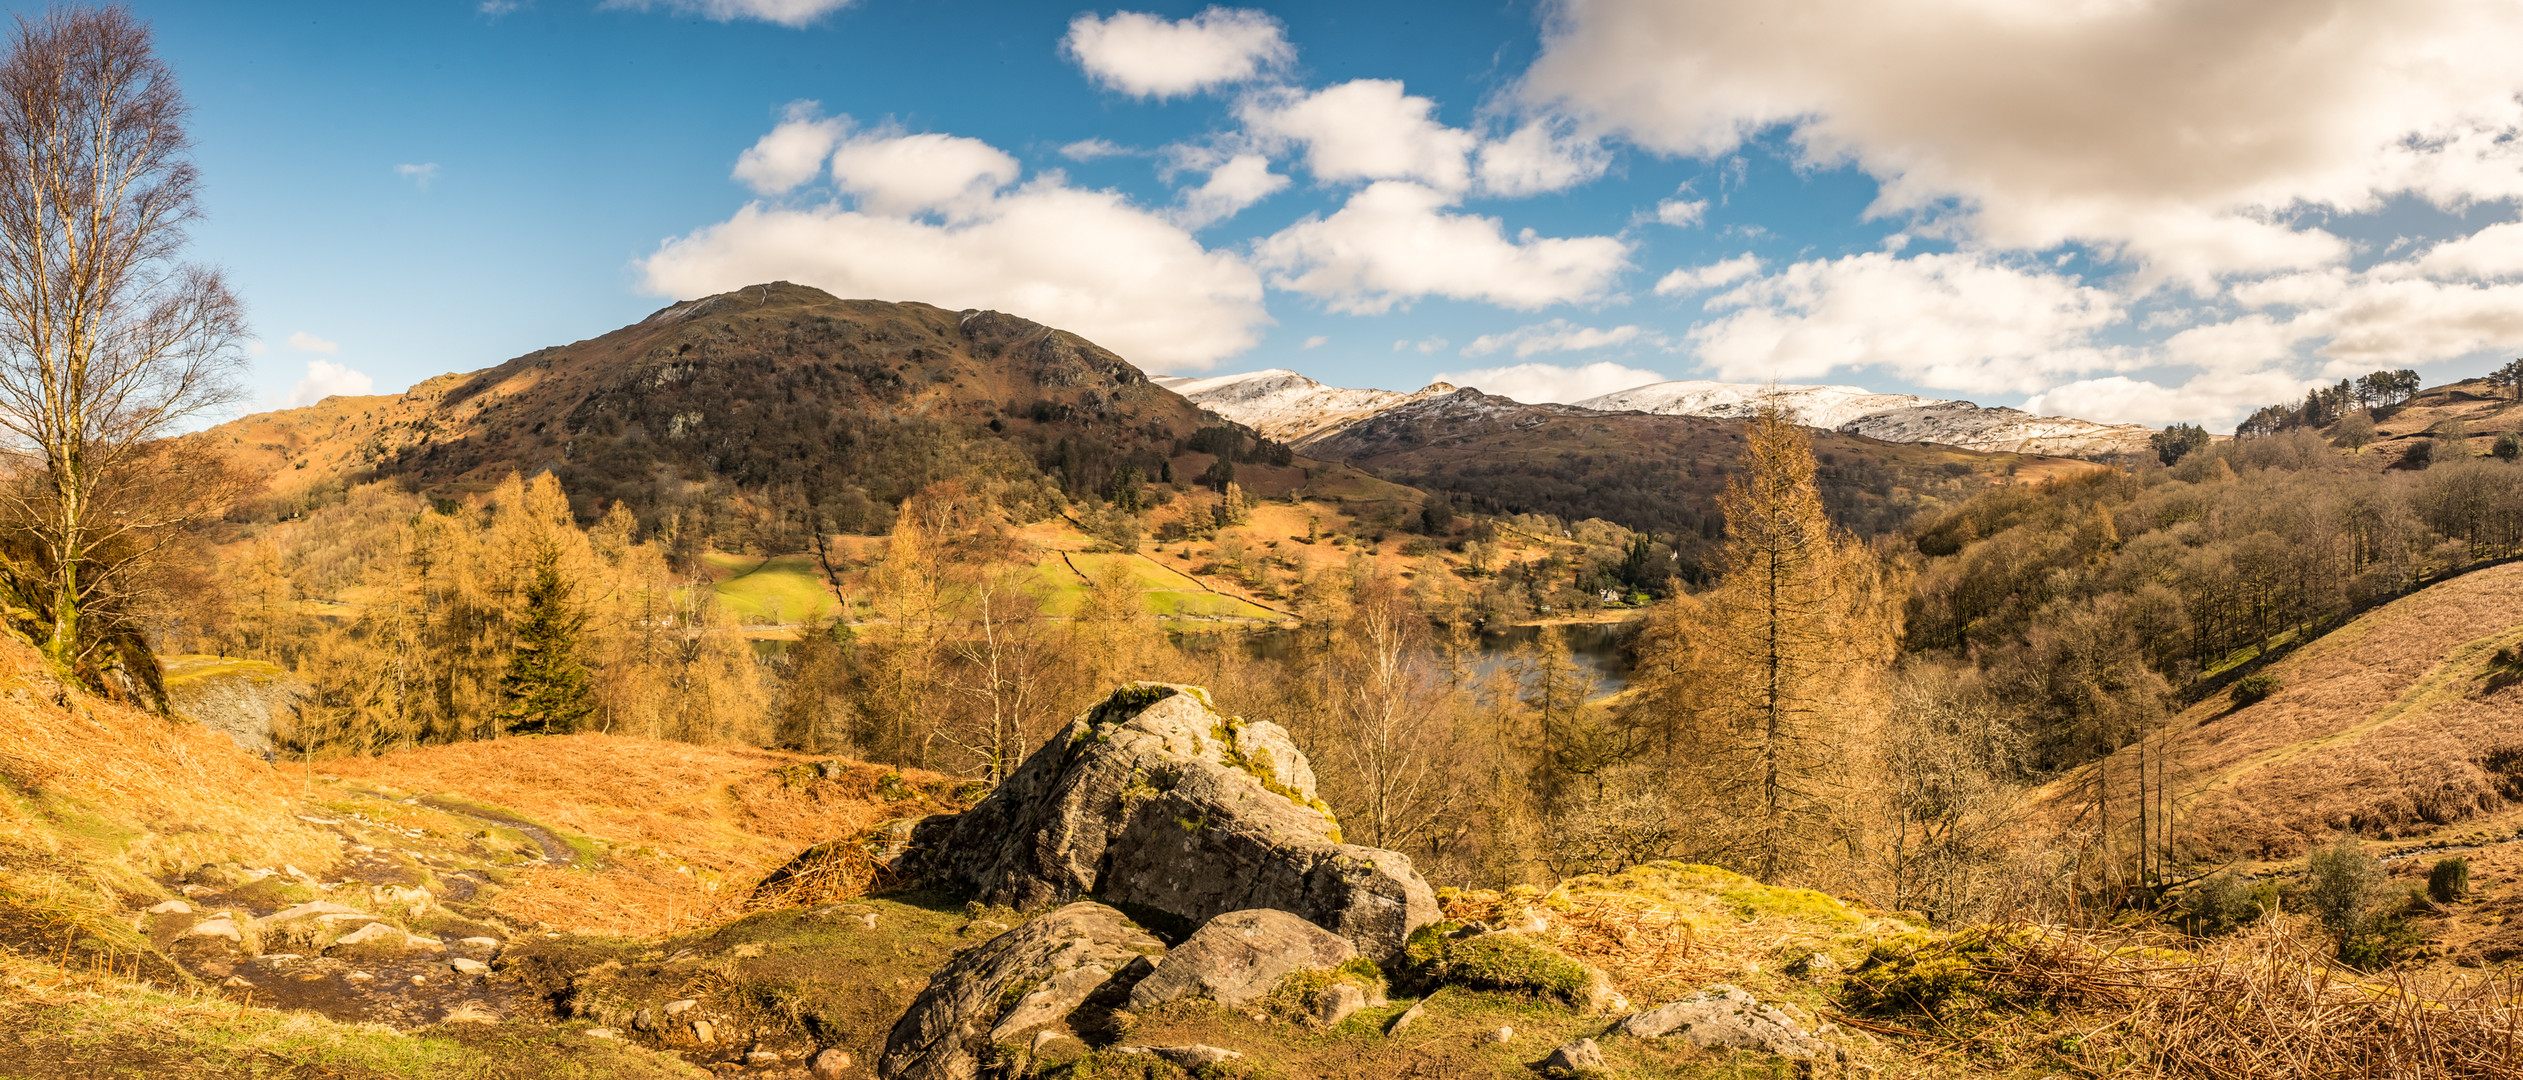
column 326, row 379
column 1700, row 278
column 497, row 8
column 1682, row 213
column 2185, row 136
column 793, row 153
column 1560, row 335
column 1534, row 159
column 1424, row 346
column 899, row 175
column 1315, row 342
column 1148, row 56
column 1394, row 242
column 1551, row 382
column 1239, row 182
column 791, row 13
column 301, row 341
column 419, row 175
column 1082, row 260
column 2216, row 400
column 1095, row 150
column 1950, row 321
column 2493, row 252
column 1365, row 129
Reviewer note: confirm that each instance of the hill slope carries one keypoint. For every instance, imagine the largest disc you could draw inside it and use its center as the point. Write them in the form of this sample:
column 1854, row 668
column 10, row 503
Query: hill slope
column 1643, row 471
column 780, row 398
column 2395, row 725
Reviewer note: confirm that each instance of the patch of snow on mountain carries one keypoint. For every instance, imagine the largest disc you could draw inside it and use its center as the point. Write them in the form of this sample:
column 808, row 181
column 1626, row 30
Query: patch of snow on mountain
column 1284, row 405
column 1816, row 406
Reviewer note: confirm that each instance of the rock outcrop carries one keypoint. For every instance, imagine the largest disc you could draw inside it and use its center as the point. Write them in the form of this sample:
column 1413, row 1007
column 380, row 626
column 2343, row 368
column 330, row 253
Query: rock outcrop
column 1238, row 957
column 1059, row 970
column 1723, row 1016
column 1155, row 800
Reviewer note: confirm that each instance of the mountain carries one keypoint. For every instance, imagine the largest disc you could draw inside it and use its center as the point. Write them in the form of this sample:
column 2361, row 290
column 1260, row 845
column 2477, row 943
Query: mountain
column 1286, row 406
column 1644, row 470
column 1818, row 406
column 743, row 413
column 1292, row 408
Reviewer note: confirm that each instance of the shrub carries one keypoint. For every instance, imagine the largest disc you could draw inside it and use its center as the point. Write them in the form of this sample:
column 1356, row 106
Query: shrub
column 2448, row 879
column 2338, row 881
column 2379, row 941
column 2419, row 456
column 2225, row 901
column 2509, row 446
column 2253, row 689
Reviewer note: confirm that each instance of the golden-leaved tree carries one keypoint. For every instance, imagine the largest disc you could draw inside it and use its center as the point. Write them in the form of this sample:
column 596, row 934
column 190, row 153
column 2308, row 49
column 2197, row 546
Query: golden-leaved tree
column 1766, row 688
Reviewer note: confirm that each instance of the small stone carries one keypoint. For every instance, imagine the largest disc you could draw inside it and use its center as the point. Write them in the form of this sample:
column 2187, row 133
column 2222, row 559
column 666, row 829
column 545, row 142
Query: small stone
column 749, row 950
column 361, row 976
column 704, row 1032
column 868, row 920
column 1195, row 1056
column 644, row 1020
column 1501, row 1037
column 478, row 942
column 1408, row 1015
column 759, row 1058
column 1576, row 1056
column 279, row 957
column 1336, row 1003
column 420, row 980
column 224, row 926
column 674, row 1007
column 601, row 1033
column 195, row 890
column 172, row 907
column 464, row 966
column 831, row 1064
column 1047, row 1037
column 236, row 983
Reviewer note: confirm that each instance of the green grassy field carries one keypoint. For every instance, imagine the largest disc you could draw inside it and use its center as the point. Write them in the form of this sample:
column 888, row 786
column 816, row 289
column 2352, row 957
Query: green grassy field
column 780, row 589
column 790, row 588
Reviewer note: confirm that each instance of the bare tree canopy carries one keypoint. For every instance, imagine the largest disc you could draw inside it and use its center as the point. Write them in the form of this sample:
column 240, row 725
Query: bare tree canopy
column 109, row 340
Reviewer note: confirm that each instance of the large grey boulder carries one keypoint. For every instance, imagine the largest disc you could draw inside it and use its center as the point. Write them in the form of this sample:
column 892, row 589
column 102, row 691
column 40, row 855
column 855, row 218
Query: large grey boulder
column 1723, row 1016
column 1239, row 957
column 1046, row 972
column 1154, row 799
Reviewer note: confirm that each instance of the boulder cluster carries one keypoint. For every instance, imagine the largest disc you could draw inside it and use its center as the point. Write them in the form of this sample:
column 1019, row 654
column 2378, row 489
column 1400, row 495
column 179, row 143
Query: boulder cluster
column 1155, row 817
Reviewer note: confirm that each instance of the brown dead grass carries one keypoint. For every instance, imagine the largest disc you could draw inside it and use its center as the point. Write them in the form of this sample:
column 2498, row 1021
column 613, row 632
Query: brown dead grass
column 153, row 795
column 691, row 828
column 2377, row 728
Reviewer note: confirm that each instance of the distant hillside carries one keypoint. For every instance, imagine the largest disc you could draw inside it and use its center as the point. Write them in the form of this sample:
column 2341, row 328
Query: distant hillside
column 747, row 412
column 1661, row 473
column 1293, row 408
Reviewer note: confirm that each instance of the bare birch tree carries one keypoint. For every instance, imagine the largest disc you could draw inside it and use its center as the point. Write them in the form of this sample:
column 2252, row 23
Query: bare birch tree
column 109, row 340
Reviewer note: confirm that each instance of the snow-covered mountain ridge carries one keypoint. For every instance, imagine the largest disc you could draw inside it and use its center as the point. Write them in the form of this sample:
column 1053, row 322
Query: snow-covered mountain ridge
column 1292, row 408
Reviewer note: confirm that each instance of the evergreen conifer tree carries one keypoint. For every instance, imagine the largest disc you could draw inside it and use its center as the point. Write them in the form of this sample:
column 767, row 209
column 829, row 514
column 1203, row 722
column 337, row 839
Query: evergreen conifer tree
column 545, row 690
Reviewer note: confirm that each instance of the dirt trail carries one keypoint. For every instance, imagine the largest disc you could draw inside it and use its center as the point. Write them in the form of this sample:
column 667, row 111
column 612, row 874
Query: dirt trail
column 433, row 957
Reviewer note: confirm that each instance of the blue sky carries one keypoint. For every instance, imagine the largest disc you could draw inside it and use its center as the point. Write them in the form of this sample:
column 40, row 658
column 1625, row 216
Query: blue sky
column 2130, row 212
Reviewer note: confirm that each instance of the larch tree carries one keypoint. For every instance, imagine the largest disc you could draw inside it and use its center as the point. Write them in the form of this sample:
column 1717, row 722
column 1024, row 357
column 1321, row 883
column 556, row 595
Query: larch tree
column 1784, row 659
column 109, row 340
